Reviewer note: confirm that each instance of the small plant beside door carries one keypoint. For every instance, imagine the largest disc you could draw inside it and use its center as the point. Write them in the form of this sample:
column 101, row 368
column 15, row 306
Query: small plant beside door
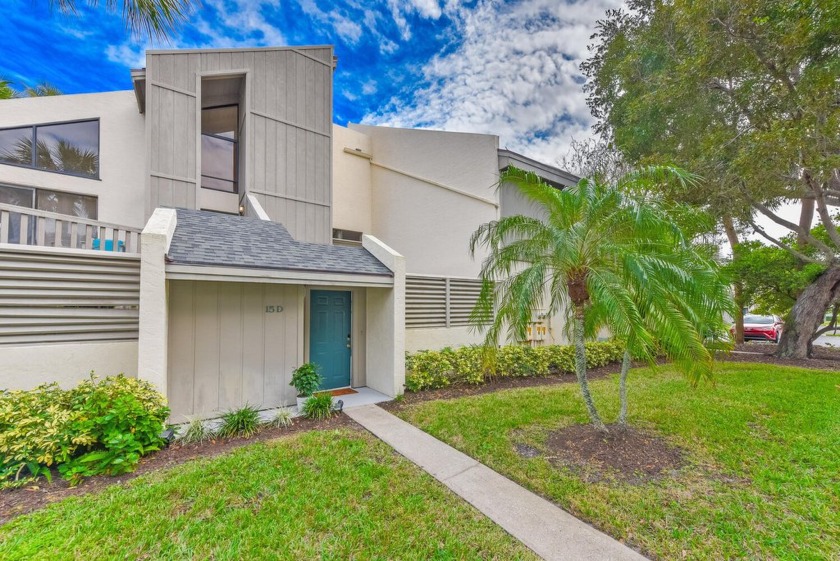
column 306, row 380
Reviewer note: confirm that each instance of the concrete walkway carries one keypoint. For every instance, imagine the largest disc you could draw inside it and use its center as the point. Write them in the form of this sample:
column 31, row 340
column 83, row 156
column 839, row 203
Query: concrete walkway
column 552, row 533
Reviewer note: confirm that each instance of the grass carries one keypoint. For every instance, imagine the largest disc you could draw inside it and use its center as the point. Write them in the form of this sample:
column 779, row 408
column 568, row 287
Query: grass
column 320, row 495
column 763, row 479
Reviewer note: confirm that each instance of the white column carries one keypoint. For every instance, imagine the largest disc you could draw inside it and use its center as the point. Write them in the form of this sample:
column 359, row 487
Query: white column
column 385, row 339
column 154, row 317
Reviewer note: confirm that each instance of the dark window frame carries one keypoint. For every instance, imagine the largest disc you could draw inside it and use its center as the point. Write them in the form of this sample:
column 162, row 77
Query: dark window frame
column 36, row 190
column 34, row 164
column 235, row 142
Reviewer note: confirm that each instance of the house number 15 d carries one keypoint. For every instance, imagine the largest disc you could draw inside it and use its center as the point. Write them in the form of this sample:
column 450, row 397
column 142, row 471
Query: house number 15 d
column 273, row 309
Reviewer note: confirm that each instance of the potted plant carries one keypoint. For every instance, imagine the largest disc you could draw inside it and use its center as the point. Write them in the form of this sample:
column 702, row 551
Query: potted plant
column 306, row 380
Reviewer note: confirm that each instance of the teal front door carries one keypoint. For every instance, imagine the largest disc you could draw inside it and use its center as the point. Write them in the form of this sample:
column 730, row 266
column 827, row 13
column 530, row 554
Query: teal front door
column 329, row 336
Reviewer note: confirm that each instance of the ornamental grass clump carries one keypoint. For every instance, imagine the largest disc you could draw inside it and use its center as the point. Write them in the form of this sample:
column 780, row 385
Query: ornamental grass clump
column 196, row 432
column 281, row 419
column 239, row 422
column 319, row 406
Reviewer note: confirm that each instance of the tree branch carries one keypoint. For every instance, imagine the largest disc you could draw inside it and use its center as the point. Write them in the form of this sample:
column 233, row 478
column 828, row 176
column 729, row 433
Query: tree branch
column 801, row 232
column 822, row 209
column 798, row 254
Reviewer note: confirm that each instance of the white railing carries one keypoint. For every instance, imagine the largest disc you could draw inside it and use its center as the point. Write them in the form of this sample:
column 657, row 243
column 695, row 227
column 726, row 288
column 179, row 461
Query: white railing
column 26, row 226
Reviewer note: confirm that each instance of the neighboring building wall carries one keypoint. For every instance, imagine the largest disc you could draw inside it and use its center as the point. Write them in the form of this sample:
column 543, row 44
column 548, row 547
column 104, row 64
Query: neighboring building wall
column 225, row 350
column 120, row 188
column 430, row 191
column 351, row 181
column 285, row 140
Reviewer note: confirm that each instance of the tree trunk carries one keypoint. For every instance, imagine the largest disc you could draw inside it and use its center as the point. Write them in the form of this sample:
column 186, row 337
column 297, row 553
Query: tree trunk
column 622, row 388
column 580, row 370
column 807, row 314
column 806, row 220
column 737, row 287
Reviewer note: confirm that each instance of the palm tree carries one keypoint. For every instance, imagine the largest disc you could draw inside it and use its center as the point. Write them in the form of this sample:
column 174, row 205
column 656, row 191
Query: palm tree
column 151, row 18
column 604, row 259
column 8, row 91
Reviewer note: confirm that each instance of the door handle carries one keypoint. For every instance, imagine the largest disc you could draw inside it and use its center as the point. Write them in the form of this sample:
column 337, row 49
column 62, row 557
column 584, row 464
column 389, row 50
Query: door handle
column 348, row 340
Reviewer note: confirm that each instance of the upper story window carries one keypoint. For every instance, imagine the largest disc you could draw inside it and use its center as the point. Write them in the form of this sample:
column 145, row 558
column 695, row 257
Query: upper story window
column 71, row 148
column 219, row 148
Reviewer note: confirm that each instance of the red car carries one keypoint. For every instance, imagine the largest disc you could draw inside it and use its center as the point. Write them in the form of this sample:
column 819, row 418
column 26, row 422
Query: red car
column 761, row 328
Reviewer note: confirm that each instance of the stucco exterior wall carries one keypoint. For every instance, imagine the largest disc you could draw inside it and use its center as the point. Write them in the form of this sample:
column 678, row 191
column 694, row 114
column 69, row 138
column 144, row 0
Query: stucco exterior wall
column 352, row 205
column 26, row 366
column 121, row 184
column 430, row 191
column 436, row 338
column 385, row 315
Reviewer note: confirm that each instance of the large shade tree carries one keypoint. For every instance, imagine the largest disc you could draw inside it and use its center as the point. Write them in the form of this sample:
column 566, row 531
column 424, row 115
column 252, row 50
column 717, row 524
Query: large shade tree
column 603, row 259
column 745, row 93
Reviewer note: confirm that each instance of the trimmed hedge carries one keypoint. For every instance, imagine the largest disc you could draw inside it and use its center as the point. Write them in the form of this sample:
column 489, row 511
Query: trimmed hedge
column 97, row 427
column 471, row 365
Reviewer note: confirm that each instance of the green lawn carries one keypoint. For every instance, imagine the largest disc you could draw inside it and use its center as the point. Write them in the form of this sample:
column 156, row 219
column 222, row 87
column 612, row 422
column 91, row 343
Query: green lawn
column 763, row 474
column 319, row 495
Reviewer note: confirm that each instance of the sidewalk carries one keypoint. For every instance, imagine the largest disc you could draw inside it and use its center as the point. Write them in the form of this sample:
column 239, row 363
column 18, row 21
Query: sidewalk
column 549, row 531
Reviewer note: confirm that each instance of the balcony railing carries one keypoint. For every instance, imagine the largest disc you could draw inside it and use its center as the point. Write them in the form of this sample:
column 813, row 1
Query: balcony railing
column 26, row 226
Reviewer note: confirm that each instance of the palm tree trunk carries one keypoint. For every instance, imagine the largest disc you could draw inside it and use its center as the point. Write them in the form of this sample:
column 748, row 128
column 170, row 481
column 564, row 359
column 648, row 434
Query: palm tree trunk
column 622, row 388
column 580, row 370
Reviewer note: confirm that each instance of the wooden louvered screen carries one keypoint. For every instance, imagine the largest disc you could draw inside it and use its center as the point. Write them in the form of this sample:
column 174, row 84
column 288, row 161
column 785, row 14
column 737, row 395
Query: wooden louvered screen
column 68, row 296
column 439, row 301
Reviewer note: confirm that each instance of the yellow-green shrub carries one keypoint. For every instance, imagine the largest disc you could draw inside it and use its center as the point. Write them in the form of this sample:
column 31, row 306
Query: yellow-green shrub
column 472, row 365
column 97, row 427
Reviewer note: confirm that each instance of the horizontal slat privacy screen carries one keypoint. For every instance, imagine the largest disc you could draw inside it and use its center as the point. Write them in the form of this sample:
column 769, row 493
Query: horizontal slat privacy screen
column 67, row 297
column 439, row 301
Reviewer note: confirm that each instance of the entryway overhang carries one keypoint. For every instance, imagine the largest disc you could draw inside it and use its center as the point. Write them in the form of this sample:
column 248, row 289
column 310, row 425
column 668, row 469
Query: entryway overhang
column 309, row 278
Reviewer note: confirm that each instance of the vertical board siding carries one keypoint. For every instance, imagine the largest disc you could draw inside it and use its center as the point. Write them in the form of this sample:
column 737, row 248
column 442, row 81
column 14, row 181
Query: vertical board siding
column 225, row 350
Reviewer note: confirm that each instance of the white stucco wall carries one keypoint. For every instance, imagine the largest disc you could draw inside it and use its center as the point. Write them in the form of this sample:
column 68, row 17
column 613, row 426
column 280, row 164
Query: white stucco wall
column 430, row 191
column 122, row 165
column 436, row 338
column 351, row 201
column 385, row 314
column 152, row 364
column 26, row 366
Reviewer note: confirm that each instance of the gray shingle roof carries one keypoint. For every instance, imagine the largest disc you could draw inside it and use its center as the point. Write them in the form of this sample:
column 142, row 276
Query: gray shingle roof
column 213, row 239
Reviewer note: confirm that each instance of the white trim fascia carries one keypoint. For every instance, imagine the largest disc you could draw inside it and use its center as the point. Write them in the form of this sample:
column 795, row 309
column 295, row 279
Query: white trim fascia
column 236, row 274
column 256, row 206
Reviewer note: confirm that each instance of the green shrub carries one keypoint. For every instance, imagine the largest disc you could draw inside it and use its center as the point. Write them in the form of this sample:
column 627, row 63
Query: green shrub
column 239, row 422
column 197, row 431
column 473, row 365
column 427, row 370
column 306, row 379
column 318, row 406
column 98, row 427
column 281, row 419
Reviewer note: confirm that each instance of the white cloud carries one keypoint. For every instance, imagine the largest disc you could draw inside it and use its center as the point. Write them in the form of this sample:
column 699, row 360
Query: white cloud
column 512, row 75
column 349, row 30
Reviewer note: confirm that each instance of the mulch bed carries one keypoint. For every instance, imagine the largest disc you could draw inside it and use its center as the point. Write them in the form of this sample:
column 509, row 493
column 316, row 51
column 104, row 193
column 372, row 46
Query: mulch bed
column 626, row 453
column 14, row 502
column 824, row 358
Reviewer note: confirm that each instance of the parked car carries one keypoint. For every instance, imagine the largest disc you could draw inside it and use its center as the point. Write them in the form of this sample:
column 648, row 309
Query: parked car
column 761, row 328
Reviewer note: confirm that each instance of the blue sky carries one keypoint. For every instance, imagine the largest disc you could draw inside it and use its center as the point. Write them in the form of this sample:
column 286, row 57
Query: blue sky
column 506, row 68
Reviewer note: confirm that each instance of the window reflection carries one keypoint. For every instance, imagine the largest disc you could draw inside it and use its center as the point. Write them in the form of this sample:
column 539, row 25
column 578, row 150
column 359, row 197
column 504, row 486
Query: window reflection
column 71, row 148
column 219, row 150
